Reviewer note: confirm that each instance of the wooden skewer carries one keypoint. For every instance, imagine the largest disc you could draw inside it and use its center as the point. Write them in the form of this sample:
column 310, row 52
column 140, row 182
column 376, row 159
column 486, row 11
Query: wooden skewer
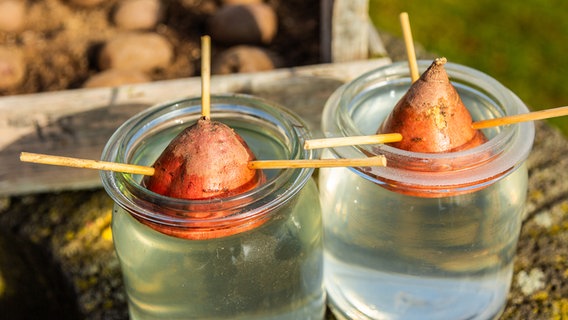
column 85, row 163
column 409, row 44
column 354, row 140
column 531, row 116
column 376, row 161
column 148, row 171
column 205, row 76
column 394, row 137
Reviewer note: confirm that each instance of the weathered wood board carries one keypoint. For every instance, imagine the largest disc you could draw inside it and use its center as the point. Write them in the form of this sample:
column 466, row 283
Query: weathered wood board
column 347, row 32
column 78, row 123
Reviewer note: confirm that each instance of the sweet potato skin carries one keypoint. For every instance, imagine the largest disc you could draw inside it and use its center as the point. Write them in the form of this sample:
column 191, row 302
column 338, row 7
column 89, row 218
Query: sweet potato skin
column 431, row 116
column 206, row 160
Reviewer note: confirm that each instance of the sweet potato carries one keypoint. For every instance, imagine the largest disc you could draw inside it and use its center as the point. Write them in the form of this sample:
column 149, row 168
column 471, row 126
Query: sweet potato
column 206, row 160
column 431, row 116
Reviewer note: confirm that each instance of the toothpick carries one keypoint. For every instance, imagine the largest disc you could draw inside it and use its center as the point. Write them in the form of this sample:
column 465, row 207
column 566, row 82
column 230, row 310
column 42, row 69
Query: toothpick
column 205, row 76
column 536, row 115
column 85, row 163
column 354, row 140
column 409, row 44
column 376, row 161
column 149, row 171
column 395, row 137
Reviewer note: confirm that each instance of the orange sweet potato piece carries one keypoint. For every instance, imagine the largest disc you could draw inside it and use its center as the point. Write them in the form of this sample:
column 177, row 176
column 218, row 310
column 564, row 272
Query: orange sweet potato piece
column 431, row 116
column 206, row 160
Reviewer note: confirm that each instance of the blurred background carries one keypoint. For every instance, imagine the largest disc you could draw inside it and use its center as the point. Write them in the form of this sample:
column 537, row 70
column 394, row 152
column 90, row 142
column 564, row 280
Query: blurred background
column 521, row 44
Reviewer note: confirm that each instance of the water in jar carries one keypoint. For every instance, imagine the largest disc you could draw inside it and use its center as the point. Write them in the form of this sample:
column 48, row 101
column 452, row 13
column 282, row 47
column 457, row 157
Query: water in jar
column 271, row 272
column 393, row 256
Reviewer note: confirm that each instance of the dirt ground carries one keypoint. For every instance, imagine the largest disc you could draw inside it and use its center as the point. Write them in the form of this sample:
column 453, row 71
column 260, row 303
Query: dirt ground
column 60, row 40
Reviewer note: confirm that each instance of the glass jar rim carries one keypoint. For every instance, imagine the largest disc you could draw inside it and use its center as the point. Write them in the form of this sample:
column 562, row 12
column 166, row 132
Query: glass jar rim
column 435, row 174
column 145, row 204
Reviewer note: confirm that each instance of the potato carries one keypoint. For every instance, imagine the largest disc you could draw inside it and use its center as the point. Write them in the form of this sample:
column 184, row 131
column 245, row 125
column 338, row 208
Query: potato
column 136, row 51
column 86, row 3
column 12, row 67
column 241, row 59
column 137, row 14
column 240, row 1
column 12, row 15
column 244, row 24
column 115, row 77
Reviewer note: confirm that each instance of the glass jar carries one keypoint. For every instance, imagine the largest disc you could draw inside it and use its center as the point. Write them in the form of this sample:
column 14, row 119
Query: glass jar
column 430, row 236
column 260, row 259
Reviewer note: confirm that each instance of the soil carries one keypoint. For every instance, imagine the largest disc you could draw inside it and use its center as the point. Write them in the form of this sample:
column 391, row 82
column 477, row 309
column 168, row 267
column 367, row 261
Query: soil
column 60, row 40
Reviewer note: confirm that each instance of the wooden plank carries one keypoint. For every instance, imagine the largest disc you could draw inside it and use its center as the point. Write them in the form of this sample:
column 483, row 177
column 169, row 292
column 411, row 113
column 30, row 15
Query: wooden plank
column 347, row 33
column 350, row 30
column 326, row 13
column 78, row 123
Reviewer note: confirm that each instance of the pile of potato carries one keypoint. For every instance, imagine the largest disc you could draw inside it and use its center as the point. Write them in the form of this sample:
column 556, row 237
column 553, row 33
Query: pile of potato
column 140, row 48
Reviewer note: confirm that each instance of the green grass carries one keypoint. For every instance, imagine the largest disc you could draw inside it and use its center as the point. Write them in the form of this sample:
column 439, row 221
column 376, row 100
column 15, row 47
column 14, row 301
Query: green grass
column 522, row 44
